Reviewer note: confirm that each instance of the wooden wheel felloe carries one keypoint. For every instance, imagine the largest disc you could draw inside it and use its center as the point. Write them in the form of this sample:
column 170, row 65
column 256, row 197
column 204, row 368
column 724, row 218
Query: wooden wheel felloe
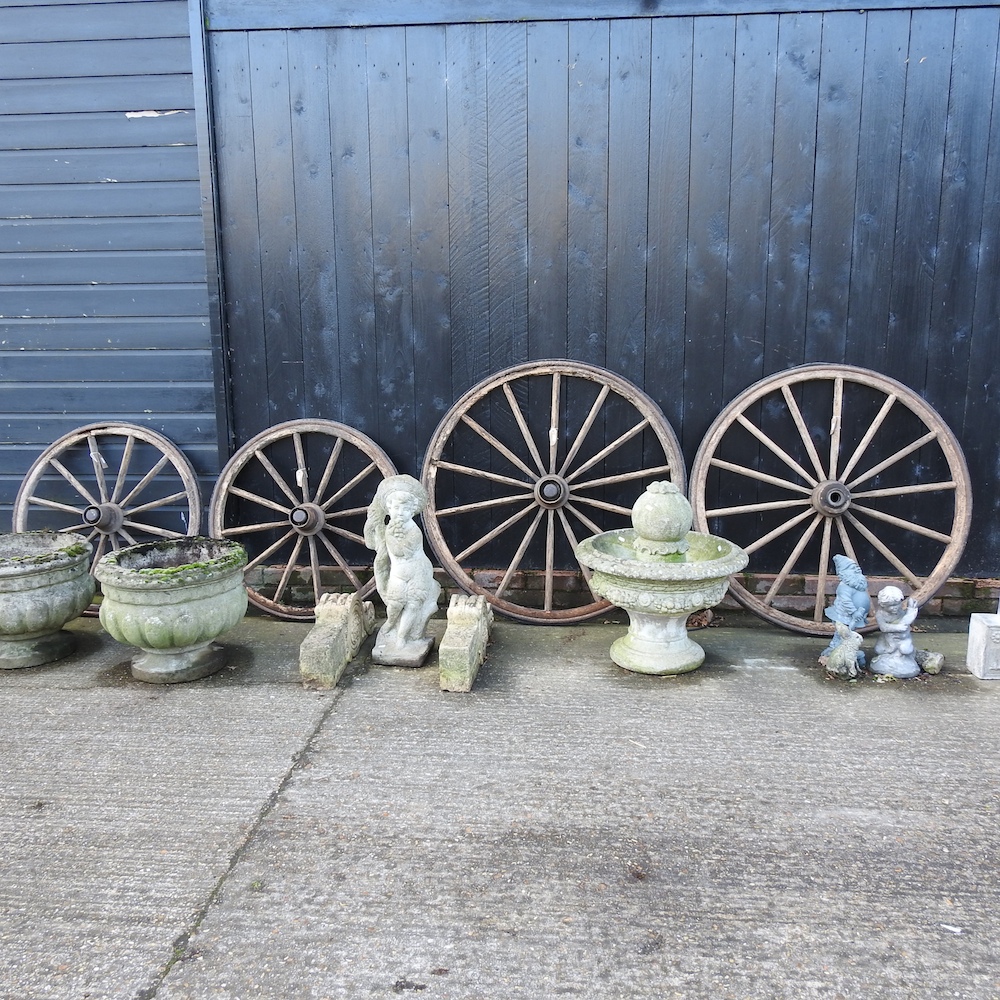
column 116, row 484
column 825, row 459
column 296, row 496
column 528, row 463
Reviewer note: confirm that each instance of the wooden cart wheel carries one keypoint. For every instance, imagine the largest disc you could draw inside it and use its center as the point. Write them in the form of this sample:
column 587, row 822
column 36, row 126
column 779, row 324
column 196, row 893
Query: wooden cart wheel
column 296, row 496
column 116, row 484
column 528, row 463
column 827, row 459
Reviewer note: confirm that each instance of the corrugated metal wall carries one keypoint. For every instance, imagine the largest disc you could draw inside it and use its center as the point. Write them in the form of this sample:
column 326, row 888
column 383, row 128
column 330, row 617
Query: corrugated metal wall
column 103, row 302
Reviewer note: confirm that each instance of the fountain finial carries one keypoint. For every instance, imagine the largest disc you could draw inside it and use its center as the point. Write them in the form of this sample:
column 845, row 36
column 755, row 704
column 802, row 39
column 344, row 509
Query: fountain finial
column 662, row 517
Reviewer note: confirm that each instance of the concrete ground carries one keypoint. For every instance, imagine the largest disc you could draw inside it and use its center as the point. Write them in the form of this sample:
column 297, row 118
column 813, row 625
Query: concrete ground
column 751, row 830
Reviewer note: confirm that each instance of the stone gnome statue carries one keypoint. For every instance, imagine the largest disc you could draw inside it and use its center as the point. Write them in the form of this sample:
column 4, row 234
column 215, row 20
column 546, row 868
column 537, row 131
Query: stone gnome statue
column 404, row 576
column 851, row 606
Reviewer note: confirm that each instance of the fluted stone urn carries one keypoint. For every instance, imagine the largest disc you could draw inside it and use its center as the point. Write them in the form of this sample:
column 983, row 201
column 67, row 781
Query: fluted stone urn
column 660, row 572
column 44, row 583
column 172, row 599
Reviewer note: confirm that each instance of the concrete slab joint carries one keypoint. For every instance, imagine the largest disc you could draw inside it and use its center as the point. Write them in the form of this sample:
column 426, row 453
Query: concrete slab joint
column 343, row 622
column 463, row 647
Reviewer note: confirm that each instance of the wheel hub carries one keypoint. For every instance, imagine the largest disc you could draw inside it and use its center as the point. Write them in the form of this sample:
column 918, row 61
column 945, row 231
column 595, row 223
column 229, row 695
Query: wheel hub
column 552, row 491
column 307, row 518
column 105, row 517
column 831, row 498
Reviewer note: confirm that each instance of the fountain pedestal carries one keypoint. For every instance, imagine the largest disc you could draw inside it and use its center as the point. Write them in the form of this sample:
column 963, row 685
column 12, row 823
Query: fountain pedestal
column 660, row 573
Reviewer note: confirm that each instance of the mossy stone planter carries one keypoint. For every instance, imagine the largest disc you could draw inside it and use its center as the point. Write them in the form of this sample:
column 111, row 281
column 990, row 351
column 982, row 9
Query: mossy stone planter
column 172, row 599
column 44, row 583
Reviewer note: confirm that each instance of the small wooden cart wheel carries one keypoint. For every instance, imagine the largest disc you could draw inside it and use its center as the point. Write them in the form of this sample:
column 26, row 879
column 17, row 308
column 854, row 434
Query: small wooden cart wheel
column 528, row 463
column 827, row 459
column 296, row 496
column 116, row 484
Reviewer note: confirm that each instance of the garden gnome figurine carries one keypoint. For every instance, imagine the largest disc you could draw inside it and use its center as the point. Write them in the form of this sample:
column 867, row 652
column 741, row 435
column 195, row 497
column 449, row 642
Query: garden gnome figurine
column 894, row 646
column 404, row 576
column 851, row 604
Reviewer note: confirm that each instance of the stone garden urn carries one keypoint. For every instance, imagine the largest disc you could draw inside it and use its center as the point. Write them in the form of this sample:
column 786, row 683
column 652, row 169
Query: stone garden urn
column 172, row 598
column 44, row 583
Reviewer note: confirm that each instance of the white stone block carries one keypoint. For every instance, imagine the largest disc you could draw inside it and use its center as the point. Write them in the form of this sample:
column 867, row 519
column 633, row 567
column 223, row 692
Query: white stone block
column 983, row 658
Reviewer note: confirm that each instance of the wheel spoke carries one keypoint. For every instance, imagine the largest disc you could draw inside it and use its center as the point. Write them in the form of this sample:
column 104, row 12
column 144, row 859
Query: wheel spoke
column 483, row 504
column 800, row 424
column 55, row 505
column 347, row 487
column 889, row 555
column 753, row 508
column 522, row 424
column 571, row 538
column 824, row 563
column 256, row 498
column 74, row 482
column 123, row 468
column 604, row 505
column 622, row 477
column 495, row 533
column 99, row 464
column 893, row 459
column 791, row 560
column 346, row 512
column 845, row 540
column 279, row 480
column 765, row 440
column 585, row 429
column 614, row 446
column 247, row 529
column 301, row 472
column 869, row 435
column 583, row 519
column 344, row 533
column 331, row 464
column 129, row 538
column 256, row 561
column 763, row 477
column 100, row 550
column 836, row 425
column 779, row 531
column 897, row 491
column 519, row 554
column 899, row 522
column 314, row 566
column 145, row 481
column 341, row 561
column 290, row 566
column 150, row 529
column 554, row 422
column 550, row 558
column 481, row 474
column 162, row 502
column 491, row 440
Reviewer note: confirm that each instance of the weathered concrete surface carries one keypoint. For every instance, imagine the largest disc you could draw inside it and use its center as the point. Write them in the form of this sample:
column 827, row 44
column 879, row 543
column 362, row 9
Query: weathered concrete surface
column 748, row 830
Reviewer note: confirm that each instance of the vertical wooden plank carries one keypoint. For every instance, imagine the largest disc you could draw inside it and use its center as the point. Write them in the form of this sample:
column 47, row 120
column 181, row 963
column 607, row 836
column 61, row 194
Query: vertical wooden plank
column 883, row 87
column 835, row 186
column 667, row 213
column 918, row 207
column 708, row 222
column 314, row 210
column 792, row 188
column 507, row 166
column 588, row 190
column 750, row 201
column 389, row 147
column 628, row 196
column 243, row 310
column 278, row 236
column 983, row 391
column 428, row 131
column 468, row 210
column 352, row 236
column 548, row 142
column 963, row 192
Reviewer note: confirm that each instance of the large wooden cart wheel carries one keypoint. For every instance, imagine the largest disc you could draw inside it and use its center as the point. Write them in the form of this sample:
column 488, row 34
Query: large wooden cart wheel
column 296, row 497
column 528, row 463
column 116, row 484
column 825, row 459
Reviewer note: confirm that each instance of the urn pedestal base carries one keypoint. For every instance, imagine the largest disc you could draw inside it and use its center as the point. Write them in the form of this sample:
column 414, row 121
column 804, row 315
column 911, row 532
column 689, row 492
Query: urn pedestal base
column 174, row 666
column 17, row 653
column 657, row 644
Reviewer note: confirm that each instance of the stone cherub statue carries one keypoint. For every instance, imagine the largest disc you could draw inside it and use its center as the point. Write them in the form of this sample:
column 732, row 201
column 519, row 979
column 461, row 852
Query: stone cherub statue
column 895, row 655
column 851, row 605
column 404, row 576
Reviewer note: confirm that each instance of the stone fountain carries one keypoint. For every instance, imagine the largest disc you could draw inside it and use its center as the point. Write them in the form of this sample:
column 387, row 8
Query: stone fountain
column 660, row 572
